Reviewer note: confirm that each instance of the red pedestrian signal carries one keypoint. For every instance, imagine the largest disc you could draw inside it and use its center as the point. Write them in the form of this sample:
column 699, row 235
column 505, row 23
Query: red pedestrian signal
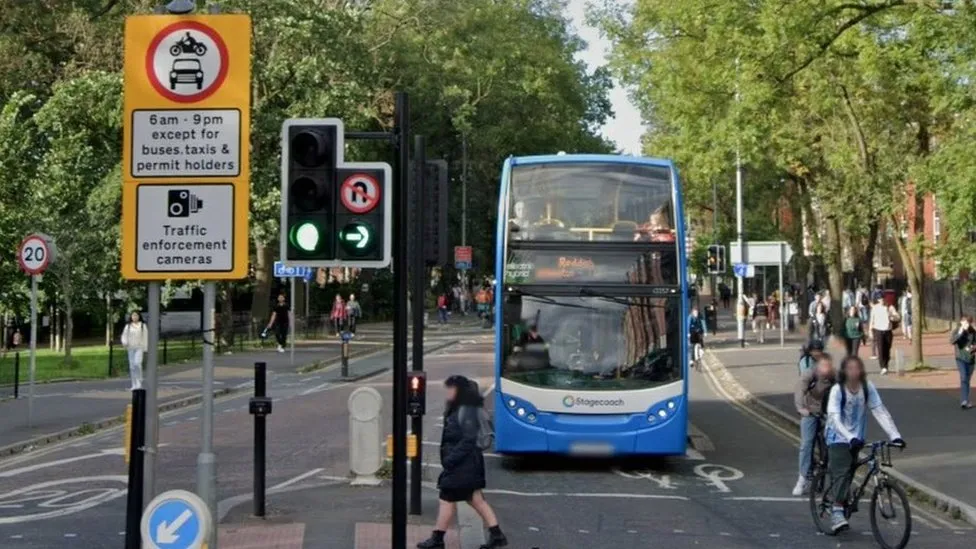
column 417, row 394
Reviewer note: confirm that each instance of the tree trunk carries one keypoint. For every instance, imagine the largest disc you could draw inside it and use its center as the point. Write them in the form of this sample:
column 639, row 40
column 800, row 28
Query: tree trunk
column 263, row 272
column 835, row 273
column 108, row 319
column 69, row 326
column 914, row 274
column 53, row 318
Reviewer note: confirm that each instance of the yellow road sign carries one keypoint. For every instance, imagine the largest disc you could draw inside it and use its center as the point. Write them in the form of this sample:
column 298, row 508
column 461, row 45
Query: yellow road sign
column 185, row 173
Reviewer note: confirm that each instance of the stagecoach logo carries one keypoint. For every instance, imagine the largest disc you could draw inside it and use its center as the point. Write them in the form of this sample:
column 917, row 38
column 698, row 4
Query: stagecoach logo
column 569, row 401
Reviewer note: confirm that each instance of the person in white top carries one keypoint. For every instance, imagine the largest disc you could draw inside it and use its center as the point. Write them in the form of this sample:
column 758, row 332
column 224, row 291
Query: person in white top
column 135, row 339
column 880, row 324
column 847, row 421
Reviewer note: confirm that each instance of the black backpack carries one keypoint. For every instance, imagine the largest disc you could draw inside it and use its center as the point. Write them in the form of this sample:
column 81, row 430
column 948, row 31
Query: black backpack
column 864, row 300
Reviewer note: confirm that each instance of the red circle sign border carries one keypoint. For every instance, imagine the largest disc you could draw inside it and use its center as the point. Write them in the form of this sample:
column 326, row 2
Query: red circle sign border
column 47, row 255
column 370, row 206
column 151, row 64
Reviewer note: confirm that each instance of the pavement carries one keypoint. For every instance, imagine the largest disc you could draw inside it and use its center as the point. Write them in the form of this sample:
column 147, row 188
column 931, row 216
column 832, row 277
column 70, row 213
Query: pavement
column 925, row 406
column 731, row 490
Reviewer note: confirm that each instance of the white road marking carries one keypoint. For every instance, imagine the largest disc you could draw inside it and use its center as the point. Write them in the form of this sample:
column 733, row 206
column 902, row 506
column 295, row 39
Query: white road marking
column 724, row 534
column 87, row 504
column 717, row 475
column 192, row 418
column 533, row 529
column 925, row 521
column 631, row 531
column 71, row 535
column 678, row 531
column 765, row 498
column 171, row 423
column 17, row 536
column 299, row 478
column 774, row 535
column 29, row 468
column 694, row 455
column 582, row 495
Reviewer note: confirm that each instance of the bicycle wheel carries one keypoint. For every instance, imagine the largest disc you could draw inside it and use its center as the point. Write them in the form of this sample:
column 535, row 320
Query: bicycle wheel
column 818, row 457
column 891, row 517
column 821, row 502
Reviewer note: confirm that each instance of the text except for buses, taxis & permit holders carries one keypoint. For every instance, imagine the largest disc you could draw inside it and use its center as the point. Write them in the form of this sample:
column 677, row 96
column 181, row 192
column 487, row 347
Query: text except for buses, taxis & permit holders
column 186, row 143
column 185, row 228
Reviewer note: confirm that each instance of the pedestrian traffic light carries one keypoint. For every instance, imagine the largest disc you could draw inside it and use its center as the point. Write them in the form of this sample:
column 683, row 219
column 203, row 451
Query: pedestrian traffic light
column 333, row 213
column 416, row 393
column 716, row 259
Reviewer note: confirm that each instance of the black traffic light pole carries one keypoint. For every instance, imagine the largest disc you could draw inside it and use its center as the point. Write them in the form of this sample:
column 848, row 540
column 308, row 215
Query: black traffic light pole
column 400, row 137
column 418, row 267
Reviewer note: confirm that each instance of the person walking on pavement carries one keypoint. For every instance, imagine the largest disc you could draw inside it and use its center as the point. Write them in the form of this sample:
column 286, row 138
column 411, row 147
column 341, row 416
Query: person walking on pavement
column 353, row 312
column 442, row 308
column 462, row 476
column 853, row 331
column 964, row 340
column 847, row 420
column 760, row 318
column 279, row 321
column 135, row 339
column 905, row 308
column 808, row 397
column 881, row 323
column 338, row 315
column 820, row 324
column 863, row 302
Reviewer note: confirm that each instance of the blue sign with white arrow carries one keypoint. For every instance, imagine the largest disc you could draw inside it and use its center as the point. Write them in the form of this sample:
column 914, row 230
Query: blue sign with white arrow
column 176, row 520
column 281, row 271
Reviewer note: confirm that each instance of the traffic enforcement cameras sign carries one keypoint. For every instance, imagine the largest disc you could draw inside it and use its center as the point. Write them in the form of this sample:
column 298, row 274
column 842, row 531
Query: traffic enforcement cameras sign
column 333, row 213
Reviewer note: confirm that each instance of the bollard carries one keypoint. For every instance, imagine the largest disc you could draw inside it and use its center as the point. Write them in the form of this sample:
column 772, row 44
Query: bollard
column 260, row 408
column 899, row 362
column 346, row 336
column 17, row 375
column 365, row 436
column 110, row 352
column 137, row 442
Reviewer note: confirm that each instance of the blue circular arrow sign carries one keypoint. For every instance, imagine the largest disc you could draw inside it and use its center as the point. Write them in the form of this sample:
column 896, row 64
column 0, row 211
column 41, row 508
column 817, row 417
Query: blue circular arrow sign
column 176, row 520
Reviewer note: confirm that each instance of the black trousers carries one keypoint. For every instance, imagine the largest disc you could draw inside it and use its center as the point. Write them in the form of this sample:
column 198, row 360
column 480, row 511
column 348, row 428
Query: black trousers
column 852, row 345
column 883, row 340
column 281, row 334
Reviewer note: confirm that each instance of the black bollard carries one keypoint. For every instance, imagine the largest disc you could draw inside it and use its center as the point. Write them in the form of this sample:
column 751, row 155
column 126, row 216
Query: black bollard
column 137, row 442
column 345, row 356
column 17, row 375
column 260, row 407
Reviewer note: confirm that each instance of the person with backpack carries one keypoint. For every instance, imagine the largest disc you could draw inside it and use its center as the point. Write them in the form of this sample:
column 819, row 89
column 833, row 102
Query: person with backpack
column 462, row 475
column 963, row 339
column 808, row 396
column 760, row 317
column 697, row 330
column 135, row 339
column 809, row 355
column 847, row 420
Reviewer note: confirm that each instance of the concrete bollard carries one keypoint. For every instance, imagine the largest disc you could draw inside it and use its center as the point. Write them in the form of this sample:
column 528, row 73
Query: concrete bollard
column 899, row 362
column 365, row 436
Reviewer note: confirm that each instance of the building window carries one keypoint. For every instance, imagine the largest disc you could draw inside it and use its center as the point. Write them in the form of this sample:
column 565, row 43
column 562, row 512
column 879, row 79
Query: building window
column 936, row 223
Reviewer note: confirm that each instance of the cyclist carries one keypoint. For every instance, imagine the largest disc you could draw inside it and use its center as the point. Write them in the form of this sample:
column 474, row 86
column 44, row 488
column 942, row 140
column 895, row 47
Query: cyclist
column 809, row 354
column 847, row 420
column 696, row 335
column 811, row 390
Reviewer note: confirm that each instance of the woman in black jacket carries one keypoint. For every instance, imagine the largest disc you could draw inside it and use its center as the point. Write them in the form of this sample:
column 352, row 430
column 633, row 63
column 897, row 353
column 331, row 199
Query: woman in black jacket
column 463, row 465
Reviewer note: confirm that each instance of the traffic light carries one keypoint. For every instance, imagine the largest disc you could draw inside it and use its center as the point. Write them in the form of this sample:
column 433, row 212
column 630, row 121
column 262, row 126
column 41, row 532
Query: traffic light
column 435, row 212
column 416, row 393
column 333, row 213
column 716, row 259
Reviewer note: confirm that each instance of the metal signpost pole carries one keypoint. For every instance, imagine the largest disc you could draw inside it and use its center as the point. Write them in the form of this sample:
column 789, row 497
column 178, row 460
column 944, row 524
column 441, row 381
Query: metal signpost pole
column 740, row 281
column 291, row 323
column 782, row 317
column 400, row 216
column 33, row 351
column 418, row 288
column 151, row 384
column 206, row 460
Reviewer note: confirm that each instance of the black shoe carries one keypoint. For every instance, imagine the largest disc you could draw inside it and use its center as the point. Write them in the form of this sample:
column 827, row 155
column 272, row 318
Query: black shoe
column 433, row 542
column 495, row 540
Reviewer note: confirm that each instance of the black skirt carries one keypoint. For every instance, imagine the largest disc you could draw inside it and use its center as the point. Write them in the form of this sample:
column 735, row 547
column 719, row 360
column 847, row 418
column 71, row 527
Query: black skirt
column 456, row 495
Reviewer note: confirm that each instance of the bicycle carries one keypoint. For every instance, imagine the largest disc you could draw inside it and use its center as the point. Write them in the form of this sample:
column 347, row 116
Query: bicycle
column 697, row 351
column 883, row 497
column 818, row 455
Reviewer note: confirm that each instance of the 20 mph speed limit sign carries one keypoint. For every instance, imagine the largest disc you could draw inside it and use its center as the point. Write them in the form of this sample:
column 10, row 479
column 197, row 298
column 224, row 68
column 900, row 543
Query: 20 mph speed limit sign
column 36, row 253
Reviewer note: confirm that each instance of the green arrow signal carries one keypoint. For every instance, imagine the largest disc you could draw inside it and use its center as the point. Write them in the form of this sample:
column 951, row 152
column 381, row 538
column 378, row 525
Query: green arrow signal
column 361, row 236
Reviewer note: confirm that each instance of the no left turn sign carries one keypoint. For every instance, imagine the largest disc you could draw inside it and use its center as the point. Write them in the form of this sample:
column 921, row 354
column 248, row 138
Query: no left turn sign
column 187, row 61
column 360, row 193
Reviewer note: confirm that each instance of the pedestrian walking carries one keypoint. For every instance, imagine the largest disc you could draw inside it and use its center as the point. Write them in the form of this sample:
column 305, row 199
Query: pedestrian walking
column 760, row 318
column 697, row 330
column 17, row 339
column 442, row 308
column 135, row 339
column 338, row 315
column 853, row 331
column 820, row 324
column 964, row 339
column 905, row 308
column 726, row 293
column 773, row 316
column 863, row 302
column 280, row 317
column 881, row 323
column 792, row 312
column 847, row 420
column 809, row 395
column 353, row 312
column 462, row 476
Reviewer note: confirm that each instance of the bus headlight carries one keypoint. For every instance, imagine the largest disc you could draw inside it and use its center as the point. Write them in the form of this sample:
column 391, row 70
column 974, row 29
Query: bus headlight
column 670, row 405
column 521, row 412
column 511, row 403
column 662, row 413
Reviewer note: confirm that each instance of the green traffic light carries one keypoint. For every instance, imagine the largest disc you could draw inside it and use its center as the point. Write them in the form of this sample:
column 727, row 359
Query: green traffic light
column 306, row 236
column 356, row 238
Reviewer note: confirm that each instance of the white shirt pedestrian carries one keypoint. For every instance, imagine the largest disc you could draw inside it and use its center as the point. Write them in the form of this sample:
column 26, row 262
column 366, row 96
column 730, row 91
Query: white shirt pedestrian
column 135, row 339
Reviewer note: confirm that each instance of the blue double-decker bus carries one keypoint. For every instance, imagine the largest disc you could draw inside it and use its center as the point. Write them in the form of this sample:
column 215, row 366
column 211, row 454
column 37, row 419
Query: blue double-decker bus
column 591, row 348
